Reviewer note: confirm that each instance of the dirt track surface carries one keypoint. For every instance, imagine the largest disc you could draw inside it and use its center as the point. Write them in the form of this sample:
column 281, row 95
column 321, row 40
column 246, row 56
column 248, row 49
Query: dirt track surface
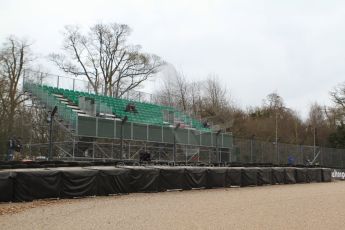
column 300, row 206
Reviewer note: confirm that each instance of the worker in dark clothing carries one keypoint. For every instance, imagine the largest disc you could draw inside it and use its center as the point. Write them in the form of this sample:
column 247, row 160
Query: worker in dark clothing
column 11, row 148
column 14, row 145
column 206, row 124
column 131, row 108
column 144, row 156
column 18, row 145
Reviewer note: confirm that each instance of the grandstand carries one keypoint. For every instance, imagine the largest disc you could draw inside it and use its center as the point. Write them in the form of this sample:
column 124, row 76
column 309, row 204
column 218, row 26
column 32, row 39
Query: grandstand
column 149, row 113
column 92, row 118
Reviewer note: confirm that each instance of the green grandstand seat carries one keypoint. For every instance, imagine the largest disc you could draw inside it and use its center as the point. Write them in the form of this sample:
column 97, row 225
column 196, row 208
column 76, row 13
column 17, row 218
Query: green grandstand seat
column 147, row 113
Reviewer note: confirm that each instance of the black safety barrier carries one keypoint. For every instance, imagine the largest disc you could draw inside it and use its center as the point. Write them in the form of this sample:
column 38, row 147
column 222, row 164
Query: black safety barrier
column 113, row 180
column 29, row 184
column 301, row 175
column 196, row 177
column 173, row 178
column 249, row 177
column 314, row 175
column 290, row 175
column 278, row 175
column 217, row 177
column 264, row 176
column 6, row 186
column 144, row 179
column 235, row 176
column 78, row 182
column 36, row 184
column 326, row 175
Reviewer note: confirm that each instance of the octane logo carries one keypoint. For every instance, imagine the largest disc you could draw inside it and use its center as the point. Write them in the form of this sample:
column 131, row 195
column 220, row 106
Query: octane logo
column 338, row 175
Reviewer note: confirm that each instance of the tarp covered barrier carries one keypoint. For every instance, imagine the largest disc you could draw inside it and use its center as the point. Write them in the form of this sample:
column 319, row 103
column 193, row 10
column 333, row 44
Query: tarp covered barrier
column 144, row 179
column 113, row 180
column 301, row 175
column 29, row 184
column 264, row 176
column 6, row 186
column 290, row 175
column 196, row 177
column 314, row 174
column 78, row 182
column 234, row 176
column 278, row 175
column 173, row 178
column 216, row 177
column 37, row 184
column 249, row 177
column 326, row 175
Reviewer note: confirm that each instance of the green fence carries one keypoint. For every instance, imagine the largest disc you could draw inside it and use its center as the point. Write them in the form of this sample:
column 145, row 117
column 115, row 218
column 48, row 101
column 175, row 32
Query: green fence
column 107, row 128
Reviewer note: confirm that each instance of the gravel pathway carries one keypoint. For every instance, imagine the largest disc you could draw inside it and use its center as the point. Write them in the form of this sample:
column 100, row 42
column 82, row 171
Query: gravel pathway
column 300, row 206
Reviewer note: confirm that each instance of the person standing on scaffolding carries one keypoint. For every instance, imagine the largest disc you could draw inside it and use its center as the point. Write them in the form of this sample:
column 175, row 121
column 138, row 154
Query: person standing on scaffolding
column 11, row 148
column 14, row 149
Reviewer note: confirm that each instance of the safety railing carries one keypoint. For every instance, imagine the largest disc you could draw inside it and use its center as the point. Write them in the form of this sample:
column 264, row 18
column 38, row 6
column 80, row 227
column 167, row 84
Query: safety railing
column 257, row 151
column 49, row 101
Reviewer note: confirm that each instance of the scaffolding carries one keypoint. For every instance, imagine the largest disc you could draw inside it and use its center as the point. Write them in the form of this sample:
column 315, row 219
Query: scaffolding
column 95, row 137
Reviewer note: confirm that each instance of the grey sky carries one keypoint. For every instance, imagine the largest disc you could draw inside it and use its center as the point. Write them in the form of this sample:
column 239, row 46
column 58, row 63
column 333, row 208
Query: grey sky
column 296, row 48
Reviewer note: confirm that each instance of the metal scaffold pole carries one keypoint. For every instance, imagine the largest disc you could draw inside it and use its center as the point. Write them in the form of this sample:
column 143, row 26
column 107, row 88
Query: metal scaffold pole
column 50, row 120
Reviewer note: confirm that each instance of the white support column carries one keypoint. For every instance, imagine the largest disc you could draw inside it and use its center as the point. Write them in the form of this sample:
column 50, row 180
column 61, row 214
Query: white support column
column 114, row 136
column 73, row 153
column 186, row 149
column 129, row 151
column 132, row 130
column 147, row 132
column 96, row 126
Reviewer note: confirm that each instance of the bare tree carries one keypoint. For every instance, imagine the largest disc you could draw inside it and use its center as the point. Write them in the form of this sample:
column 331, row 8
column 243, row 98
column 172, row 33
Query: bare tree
column 333, row 115
column 195, row 98
column 182, row 90
column 338, row 96
column 274, row 101
column 215, row 93
column 15, row 56
column 178, row 92
column 316, row 115
column 14, row 59
column 166, row 91
column 105, row 59
column 207, row 100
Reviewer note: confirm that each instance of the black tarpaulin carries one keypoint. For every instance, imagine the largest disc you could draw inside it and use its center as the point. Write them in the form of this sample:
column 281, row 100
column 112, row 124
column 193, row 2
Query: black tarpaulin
column 234, row 176
column 264, row 176
column 37, row 184
column 216, row 177
column 29, row 184
column 278, row 175
column 78, row 182
column 196, row 177
column 173, row 178
column 144, row 179
column 301, row 175
column 314, row 175
column 249, row 176
column 112, row 180
column 326, row 175
column 290, row 175
column 6, row 186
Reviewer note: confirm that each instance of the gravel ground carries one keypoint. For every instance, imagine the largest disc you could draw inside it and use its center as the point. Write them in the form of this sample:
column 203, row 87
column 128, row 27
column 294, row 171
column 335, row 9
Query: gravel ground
column 300, row 206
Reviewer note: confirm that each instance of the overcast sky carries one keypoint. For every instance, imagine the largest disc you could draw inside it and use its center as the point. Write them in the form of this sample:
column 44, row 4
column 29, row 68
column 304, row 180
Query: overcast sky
column 296, row 48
